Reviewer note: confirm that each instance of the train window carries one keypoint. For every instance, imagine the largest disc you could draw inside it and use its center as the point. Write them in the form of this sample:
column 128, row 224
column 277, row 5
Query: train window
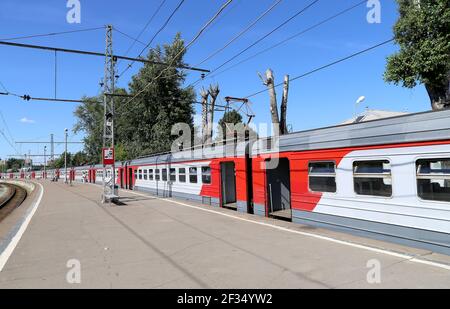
column 182, row 175
column 140, row 174
column 322, row 177
column 145, row 174
column 206, row 174
column 157, row 176
column 433, row 179
column 164, row 174
column 150, row 174
column 193, row 178
column 173, row 175
column 373, row 178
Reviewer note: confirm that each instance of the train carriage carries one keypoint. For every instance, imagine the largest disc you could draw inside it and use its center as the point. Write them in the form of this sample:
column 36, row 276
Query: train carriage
column 388, row 179
column 80, row 174
column 206, row 176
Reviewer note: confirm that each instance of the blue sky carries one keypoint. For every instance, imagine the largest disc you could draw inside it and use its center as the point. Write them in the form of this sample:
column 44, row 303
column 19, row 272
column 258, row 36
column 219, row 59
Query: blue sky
column 321, row 99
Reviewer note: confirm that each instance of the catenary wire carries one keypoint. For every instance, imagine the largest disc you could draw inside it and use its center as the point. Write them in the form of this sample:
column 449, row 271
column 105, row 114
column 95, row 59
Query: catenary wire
column 327, row 65
column 197, row 36
column 291, row 37
column 298, row 13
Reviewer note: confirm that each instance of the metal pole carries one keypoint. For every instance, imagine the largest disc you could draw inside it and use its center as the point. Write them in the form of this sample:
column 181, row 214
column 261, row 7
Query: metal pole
column 65, row 156
column 30, row 166
column 109, row 192
column 45, row 163
column 52, row 148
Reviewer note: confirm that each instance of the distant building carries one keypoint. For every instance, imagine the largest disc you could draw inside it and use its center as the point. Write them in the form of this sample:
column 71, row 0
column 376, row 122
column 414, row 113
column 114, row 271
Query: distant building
column 373, row 114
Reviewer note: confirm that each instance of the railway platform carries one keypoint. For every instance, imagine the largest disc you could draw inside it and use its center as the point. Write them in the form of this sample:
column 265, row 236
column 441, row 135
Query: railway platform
column 147, row 242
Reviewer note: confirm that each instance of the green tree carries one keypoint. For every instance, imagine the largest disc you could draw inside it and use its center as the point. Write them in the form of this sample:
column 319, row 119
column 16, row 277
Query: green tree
column 231, row 122
column 143, row 124
column 60, row 162
column 232, row 117
column 90, row 121
column 121, row 153
column 162, row 102
column 423, row 33
column 14, row 164
column 79, row 159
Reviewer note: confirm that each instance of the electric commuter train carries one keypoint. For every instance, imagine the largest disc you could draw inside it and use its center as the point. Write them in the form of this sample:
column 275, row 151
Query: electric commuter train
column 388, row 179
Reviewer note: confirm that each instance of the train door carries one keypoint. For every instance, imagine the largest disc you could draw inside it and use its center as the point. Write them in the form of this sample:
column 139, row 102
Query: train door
column 228, row 177
column 121, row 170
column 279, row 190
column 130, row 178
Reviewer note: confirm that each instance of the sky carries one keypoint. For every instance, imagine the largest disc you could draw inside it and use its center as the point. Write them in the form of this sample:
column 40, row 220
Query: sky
column 324, row 98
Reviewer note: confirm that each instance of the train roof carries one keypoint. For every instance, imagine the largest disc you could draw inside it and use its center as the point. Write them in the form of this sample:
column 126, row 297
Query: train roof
column 417, row 127
column 425, row 126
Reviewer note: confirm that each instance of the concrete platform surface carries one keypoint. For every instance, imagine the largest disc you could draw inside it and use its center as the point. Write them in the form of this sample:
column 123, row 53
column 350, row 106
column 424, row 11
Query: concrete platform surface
column 155, row 243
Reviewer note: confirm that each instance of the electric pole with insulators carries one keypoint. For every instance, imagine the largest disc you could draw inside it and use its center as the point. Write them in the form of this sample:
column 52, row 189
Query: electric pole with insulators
column 110, row 193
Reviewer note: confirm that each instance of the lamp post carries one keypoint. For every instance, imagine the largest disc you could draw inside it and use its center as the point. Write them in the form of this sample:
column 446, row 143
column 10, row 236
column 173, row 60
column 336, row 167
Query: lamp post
column 357, row 103
column 45, row 163
column 65, row 155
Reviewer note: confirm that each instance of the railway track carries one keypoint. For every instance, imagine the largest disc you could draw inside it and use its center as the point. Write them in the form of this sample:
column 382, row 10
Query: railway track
column 12, row 198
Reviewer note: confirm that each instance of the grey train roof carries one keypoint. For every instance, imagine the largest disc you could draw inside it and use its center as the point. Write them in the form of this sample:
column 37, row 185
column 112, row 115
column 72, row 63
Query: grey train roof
column 418, row 127
column 426, row 126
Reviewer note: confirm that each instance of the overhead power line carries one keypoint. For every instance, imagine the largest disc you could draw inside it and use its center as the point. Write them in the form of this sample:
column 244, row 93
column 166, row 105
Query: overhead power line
column 327, row 65
column 155, row 35
column 298, row 13
column 49, row 143
column 51, row 34
column 328, row 19
column 145, row 27
column 197, row 36
column 30, row 98
column 6, row 126
column 27, row 97
column 4, row 88
column 90, row 53
column 135, row 40
column 7, row 140
column 240, row 34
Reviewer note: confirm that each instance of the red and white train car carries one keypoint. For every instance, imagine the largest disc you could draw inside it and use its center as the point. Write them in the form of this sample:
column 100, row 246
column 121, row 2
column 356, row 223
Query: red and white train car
column 387, row 179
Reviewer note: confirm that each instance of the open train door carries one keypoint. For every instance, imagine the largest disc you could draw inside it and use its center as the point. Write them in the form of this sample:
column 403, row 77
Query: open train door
column 121, row 177
column 228, row 177
column 279, row 190
column 130, row 178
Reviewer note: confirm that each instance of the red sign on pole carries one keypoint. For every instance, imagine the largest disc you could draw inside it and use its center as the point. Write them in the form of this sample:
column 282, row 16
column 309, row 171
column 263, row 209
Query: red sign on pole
column 108, row 156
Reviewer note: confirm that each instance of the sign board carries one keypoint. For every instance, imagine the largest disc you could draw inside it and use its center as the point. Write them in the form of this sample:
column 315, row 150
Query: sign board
column 108, row 156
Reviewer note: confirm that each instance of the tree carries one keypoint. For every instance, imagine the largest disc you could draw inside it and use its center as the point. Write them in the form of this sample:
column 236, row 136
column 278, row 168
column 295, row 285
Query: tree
column 79, row 159
column 142, row 124
column 232, row 126
column 279, row 124
column 423, row 33
column 60, row 162
column 14, row 164
column 90, row 121
column 232, row 117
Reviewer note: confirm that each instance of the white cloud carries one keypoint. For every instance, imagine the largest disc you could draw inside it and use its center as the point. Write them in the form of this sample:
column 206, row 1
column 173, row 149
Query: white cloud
column 26, row 120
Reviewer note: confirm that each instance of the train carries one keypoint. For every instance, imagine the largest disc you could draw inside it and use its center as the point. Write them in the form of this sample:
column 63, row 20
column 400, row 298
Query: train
column 387, row 179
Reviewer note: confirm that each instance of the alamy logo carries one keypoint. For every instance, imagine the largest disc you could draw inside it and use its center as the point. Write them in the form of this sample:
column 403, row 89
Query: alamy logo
column 74, row 14
column 73, row 276
column 374, row 273
column 374, row 14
